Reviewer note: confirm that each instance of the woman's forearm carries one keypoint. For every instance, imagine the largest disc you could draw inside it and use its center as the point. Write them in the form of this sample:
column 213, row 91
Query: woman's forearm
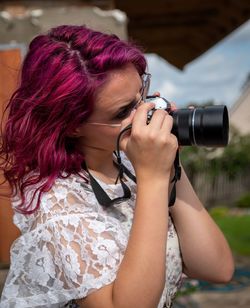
column 205, row 251
column 141, row 276
column 151, row 148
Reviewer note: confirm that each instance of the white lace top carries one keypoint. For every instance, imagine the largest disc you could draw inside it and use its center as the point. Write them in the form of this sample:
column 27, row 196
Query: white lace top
column 72, row 246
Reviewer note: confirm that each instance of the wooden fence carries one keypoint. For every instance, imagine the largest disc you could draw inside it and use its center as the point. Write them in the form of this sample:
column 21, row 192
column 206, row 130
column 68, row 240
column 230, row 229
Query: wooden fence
column 222, row 190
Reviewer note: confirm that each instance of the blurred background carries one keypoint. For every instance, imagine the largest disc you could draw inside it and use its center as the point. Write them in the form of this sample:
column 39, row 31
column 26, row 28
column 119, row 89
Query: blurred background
column 198, row 53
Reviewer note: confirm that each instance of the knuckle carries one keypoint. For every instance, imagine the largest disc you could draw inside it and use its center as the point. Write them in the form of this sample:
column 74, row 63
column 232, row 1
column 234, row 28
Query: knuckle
column 160, row 113
column 164, row 139
column 138, row 135
column 152, row 135
column 174, row 141
column 170, row 120
column 135, row 134
column 169, row 140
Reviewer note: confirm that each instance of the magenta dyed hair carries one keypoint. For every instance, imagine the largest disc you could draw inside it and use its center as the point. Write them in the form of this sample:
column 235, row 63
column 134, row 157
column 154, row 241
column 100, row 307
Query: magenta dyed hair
column 59, row 80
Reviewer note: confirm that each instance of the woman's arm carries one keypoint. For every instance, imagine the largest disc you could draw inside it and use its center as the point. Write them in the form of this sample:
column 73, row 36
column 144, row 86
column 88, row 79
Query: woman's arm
column 205, row 251
column 141, row 276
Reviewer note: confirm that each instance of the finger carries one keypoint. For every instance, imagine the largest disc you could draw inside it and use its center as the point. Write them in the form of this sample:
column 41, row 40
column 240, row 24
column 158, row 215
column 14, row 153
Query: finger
column 157, row 119
column 157, row 93
column 125, row 136
column 173, row 106
column 128, row 120
column 167, row 124
column 140, row 116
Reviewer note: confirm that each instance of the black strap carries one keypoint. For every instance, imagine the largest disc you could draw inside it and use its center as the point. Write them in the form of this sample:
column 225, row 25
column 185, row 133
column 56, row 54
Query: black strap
column 100, row 194
column 177, row 176
column 103, row 198
column 127, row 172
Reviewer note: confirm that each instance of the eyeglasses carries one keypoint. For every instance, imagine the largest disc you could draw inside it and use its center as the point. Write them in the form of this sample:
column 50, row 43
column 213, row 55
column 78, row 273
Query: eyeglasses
column 143, row 95
column 146, row 77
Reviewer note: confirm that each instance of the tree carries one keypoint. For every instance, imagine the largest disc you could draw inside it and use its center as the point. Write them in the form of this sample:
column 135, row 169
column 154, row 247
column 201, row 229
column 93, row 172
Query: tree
column 231, row 161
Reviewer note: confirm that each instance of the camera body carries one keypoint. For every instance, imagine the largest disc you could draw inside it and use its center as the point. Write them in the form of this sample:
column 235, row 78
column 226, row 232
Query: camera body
column 203, row 126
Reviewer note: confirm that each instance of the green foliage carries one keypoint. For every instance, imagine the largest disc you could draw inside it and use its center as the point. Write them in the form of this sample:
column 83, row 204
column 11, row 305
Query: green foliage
column 237, row 231
column 230, row 161
column 243, row 201
column 219, row 212
column 193, row 159
column 236, row 156
column 188, row 287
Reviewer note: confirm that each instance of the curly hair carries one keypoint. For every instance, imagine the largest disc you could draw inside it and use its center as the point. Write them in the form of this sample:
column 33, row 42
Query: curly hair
column 60, row 77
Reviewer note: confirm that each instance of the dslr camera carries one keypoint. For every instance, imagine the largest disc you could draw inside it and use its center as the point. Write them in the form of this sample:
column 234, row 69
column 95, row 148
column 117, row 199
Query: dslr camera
column 203, row 126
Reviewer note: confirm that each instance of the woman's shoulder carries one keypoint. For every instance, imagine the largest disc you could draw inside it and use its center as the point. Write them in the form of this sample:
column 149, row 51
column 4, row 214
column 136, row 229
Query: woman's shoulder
column 68, row 194
column 65, row 184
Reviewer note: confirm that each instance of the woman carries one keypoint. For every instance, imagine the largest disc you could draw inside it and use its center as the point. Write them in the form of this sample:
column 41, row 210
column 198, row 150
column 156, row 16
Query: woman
column 79, row 89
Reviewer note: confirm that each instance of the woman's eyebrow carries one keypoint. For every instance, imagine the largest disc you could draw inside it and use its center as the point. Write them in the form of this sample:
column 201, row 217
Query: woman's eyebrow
column 132, row 102
column 123, row 108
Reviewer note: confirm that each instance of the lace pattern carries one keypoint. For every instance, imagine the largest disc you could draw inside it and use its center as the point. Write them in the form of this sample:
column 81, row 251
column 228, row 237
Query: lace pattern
column 72, row 247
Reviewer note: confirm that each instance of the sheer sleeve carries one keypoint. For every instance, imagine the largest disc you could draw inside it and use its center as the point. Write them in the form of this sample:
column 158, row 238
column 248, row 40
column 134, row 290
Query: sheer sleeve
column 86, row 253
column 72, row 249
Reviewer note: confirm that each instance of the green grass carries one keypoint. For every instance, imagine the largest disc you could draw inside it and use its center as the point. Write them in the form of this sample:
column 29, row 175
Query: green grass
column 237, row 231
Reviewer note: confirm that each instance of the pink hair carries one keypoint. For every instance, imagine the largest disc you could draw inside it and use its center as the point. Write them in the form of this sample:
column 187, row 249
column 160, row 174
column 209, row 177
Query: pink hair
column 59, row 80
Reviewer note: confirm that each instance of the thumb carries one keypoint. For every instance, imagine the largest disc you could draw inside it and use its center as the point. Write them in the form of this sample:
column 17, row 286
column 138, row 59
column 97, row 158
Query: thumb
column 125, row 136
column 128, row 120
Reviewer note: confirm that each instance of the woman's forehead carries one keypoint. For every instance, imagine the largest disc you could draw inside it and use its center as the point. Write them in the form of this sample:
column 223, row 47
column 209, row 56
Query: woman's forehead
column 122, row 86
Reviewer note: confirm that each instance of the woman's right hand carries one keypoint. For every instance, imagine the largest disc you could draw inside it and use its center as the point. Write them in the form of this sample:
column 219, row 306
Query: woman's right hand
column 151, row 147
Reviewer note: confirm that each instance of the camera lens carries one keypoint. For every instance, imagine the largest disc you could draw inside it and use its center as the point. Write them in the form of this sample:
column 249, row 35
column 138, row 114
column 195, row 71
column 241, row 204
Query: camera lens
column 205, row 126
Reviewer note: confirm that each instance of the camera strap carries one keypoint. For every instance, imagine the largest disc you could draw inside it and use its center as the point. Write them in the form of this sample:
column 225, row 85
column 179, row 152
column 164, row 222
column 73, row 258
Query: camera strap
column 100, row 194
column 176, row 177
column 103, row 198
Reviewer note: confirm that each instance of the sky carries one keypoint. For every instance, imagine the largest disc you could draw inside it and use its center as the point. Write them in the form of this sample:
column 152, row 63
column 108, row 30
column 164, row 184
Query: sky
column 217, row 75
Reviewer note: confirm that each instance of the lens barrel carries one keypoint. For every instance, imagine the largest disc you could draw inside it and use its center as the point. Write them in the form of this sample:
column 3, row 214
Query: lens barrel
column 204, row 126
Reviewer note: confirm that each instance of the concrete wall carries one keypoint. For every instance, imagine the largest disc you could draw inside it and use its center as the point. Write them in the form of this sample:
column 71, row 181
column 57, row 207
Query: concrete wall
column 20, row 26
